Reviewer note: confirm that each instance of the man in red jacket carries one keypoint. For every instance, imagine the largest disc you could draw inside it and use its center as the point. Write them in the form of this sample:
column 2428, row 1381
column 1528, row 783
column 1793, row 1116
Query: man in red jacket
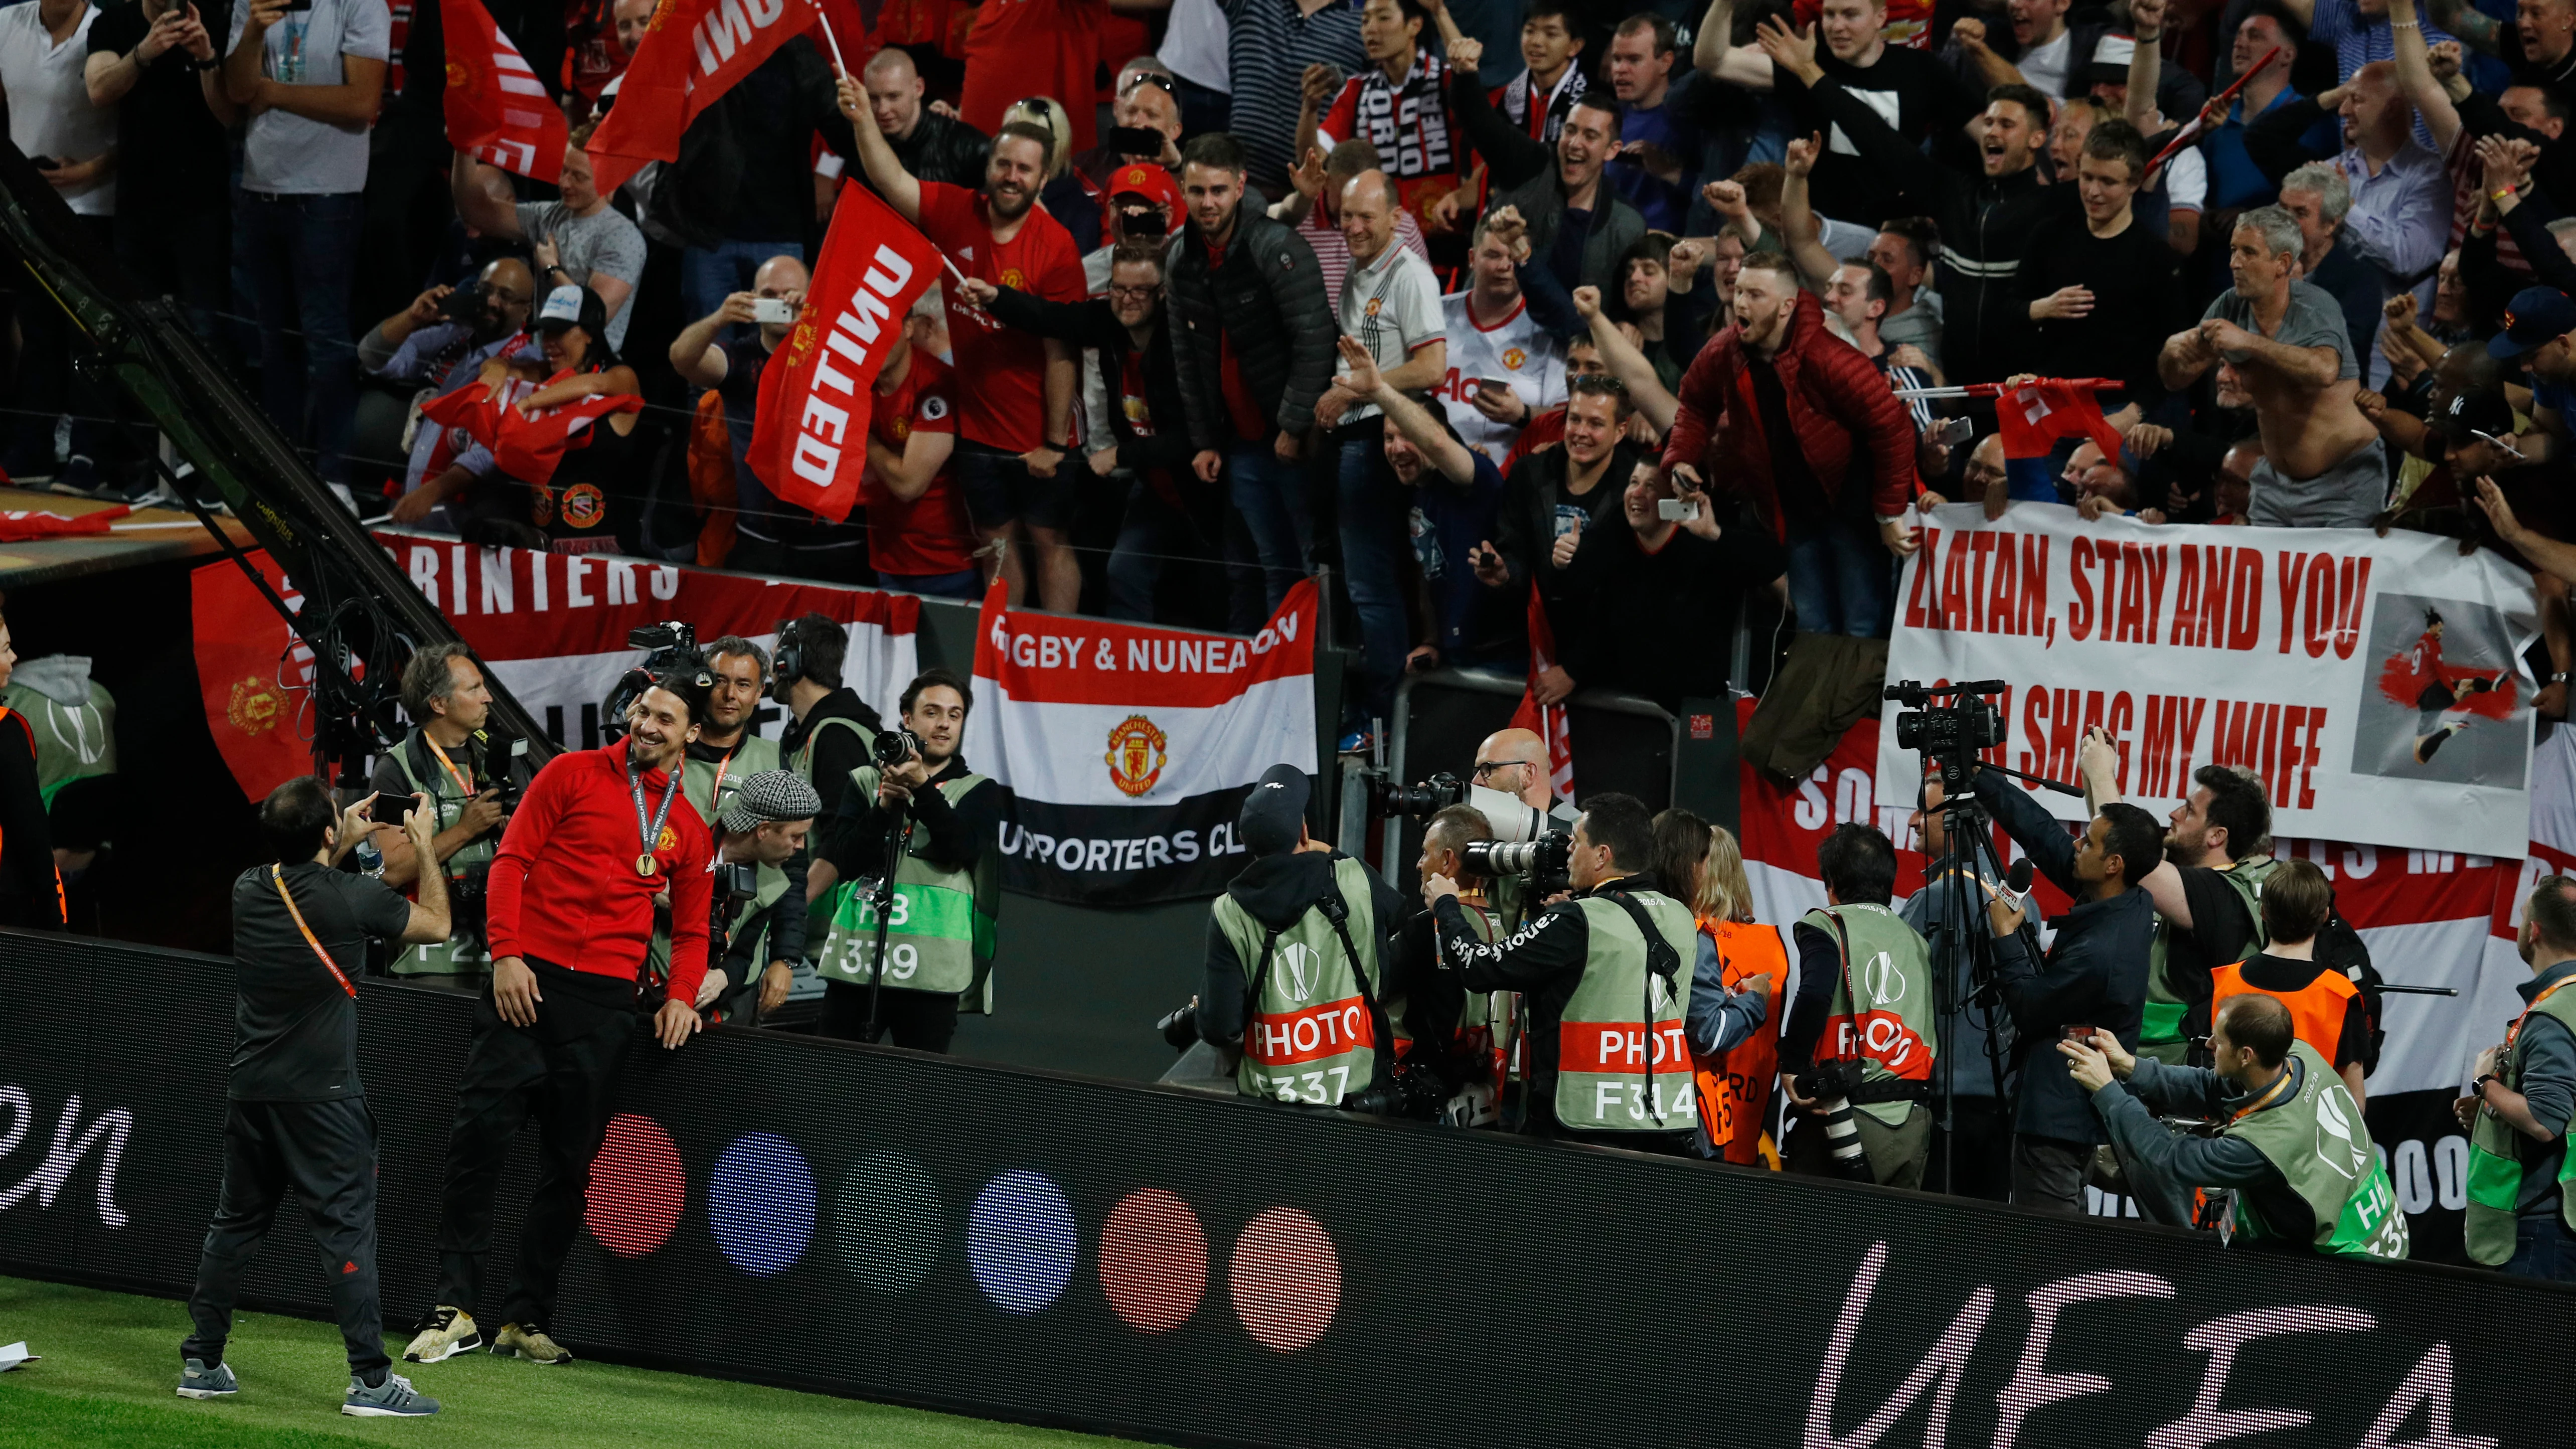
column 1808, row 430
column 568, row 911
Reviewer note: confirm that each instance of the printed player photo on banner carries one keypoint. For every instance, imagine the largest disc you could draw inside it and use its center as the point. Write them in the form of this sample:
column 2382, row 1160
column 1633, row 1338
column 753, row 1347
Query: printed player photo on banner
column 2443, row 701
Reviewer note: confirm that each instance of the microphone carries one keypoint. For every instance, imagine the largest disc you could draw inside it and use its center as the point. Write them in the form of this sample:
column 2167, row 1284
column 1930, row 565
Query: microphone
column 2019, row 876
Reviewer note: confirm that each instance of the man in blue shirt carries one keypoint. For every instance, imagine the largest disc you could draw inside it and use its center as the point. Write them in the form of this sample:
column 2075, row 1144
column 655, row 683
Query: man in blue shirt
column 1660, row 144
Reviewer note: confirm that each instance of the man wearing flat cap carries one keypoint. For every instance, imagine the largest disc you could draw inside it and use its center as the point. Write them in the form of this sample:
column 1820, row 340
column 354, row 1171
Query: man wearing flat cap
column 758, row 937
column 1296, row 960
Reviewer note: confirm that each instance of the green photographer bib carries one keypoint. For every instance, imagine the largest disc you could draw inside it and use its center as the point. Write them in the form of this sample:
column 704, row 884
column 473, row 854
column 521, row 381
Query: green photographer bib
column 940, row 927
column 2318, row 1144
column 1623, row 1061
column 462, row 952
column 2496, row 1150
column 818, row 914
column 2160, row 1033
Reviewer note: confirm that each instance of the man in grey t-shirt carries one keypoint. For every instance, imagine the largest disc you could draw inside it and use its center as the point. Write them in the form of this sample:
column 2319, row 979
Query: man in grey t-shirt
column 2323, row 464
column 309, row 81
column 580, row 239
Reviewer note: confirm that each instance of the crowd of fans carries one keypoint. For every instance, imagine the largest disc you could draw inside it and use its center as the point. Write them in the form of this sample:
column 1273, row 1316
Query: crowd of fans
column 1627, row 322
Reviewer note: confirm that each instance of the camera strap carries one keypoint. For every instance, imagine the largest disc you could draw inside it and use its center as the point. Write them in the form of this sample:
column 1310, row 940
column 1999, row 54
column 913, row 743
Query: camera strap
column 1338, row 912
column 1661, row 960
column 1842, row 948
column 277, row 877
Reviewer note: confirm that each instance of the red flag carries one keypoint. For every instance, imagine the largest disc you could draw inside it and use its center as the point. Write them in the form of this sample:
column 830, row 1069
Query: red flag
column 809, row 437
column 691, row 54
column 22, row 525
column 497, row 108
column 529, row 449
column 2043, row 410
column 1548, row 722
column 253, row 674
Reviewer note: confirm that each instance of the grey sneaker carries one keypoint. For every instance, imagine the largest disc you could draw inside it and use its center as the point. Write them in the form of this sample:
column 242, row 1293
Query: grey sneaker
column 393, row 1399
column 442, row 1333
column 196, row 1381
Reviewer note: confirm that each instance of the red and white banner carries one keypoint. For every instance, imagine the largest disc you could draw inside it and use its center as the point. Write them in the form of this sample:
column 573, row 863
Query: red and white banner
column 809, row 440
column 551, row 628
column 693, row 51
column 498, row 109
column 1126, row 751
column 2375, row 684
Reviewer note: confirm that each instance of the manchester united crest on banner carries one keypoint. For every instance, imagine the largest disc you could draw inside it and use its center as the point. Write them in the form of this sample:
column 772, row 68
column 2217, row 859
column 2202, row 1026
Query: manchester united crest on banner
column 1136, row 755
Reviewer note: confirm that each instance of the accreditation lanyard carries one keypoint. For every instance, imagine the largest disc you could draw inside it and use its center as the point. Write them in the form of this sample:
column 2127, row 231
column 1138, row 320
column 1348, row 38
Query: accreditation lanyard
column 453, row 773
column 2515, row 1030
column 277, row 877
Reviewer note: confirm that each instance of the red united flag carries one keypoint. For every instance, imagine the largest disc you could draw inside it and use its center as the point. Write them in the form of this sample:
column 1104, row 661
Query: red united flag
column 497, row 108
column 809, row 437
column 2039, row 412
column 1548, row 721
column 691, row 54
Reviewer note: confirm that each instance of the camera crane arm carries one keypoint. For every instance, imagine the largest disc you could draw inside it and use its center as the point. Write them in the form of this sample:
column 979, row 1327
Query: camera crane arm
column 360, row 617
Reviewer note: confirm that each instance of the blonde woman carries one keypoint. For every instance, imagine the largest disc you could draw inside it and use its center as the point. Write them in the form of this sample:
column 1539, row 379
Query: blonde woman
column 1739, row 961
column 1048, row 115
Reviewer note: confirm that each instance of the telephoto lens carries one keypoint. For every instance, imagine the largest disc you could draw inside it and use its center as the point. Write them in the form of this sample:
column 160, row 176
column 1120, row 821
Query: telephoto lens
column 1842, row 1139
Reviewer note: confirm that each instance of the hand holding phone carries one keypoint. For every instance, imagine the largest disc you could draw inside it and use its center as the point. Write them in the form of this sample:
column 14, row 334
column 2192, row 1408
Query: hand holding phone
column 775, row 311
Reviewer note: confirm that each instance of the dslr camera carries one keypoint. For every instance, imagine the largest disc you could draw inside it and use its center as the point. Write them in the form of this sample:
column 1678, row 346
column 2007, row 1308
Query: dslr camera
column 670, row 647
column 1419, row 802
column 1952, row 734
column 1540, row 863
column 894, row 746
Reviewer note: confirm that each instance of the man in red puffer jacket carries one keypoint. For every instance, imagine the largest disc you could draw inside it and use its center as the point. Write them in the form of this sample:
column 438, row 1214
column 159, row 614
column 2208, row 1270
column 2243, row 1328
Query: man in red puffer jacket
column 1807, row 430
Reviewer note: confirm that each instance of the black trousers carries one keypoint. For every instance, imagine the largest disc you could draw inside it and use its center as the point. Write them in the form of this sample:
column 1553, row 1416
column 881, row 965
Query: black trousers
column 921, row 1020
column 1977, row 1151
column 559, row 1073
column 326, row 1151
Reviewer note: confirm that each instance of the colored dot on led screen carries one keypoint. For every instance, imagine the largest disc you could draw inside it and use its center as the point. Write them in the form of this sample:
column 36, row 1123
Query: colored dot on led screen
column 885, row 1220
column 1286, row 1279
column 636, row 1187
column 1153, row 1260
column 1020, row 1241
column 760, row 1204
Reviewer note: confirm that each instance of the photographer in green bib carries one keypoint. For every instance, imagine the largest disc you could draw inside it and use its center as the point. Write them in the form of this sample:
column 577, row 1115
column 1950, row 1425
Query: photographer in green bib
column 2522, row 1215
column 1605, row 975
column 2208, row 892
column 758, row 928
column 713, row 768
column 917, row 805
column 1300, row 965
column 1856, row 1053
column 833, row 731
column 2290, row 1141
column 1466, row 1037
column 448, row 757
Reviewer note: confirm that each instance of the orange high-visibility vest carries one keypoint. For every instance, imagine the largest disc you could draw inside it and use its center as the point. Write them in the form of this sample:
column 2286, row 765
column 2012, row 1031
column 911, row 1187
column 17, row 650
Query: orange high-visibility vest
column 2317, row 1010
column 1735, row 1084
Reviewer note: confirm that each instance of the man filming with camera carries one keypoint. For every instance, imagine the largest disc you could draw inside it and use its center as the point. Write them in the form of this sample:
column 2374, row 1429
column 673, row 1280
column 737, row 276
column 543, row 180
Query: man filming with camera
column 448, row 758
column 2094, row 980
column 2290, row 1142
column 1605, row 975
column 569, row 915
column 759, row 921
column 1865, row 989
column 833, row 731
column 918, row 806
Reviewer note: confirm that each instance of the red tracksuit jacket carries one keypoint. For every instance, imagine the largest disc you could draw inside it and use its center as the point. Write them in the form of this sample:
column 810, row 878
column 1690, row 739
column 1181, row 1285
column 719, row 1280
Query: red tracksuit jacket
column 563, row 886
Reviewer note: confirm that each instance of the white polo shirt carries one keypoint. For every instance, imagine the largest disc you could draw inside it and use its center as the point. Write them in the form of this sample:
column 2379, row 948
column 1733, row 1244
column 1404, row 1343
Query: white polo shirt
column 49, row 109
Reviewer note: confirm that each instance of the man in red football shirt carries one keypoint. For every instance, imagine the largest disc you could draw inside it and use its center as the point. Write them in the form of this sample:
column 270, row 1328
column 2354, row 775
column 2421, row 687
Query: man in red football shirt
column 1015, row 424
column 918, row 537
column 568, row 910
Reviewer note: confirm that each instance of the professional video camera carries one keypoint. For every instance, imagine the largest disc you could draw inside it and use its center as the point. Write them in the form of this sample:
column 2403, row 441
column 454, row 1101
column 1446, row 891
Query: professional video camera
column 669, row 647
column 1420, row 802
column 1948, row 735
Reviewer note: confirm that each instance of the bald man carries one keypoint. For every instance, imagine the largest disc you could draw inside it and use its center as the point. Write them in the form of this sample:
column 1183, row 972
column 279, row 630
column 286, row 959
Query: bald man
column 1515, row 763
column 931, row 146
column 422, row 346
column 726, row 350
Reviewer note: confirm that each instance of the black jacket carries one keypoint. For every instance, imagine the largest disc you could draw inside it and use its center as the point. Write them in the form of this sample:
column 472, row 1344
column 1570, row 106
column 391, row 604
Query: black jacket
column 1276, row 890
column 702, row 188
column 1985, row 221
column 1636, row 612
column 941, row 148
column 2096, row 973
column 860, row 832
column 1091, row 324
column 1268, row 300
column 840, row 751
column 1525, row 524
column 1524, row 177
